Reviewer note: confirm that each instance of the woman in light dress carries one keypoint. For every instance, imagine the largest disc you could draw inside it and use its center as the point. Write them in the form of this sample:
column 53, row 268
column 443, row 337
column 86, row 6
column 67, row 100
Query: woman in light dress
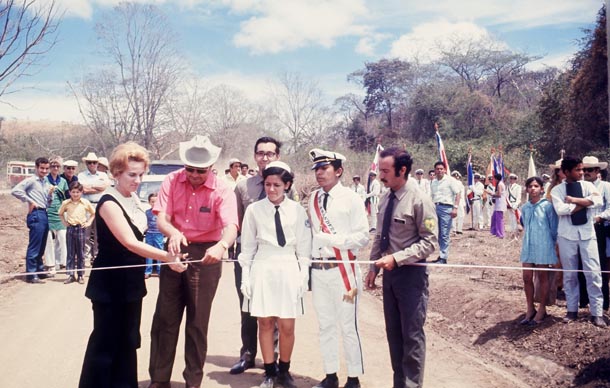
column 275, row 256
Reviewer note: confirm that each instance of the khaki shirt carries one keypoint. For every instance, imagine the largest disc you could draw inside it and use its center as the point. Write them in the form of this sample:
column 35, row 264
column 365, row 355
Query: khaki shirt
column 76, row 211
column 413, row 230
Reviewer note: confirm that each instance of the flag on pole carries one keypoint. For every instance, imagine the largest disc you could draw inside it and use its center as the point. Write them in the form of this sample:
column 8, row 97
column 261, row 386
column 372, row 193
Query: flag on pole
column 375, row 168
column 441, row 150
column 470, row 182
column 531, row 167
column 375, row 164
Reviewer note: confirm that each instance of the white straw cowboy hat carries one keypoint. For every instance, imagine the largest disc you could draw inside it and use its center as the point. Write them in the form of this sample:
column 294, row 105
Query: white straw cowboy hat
column 91, row 157
column 592, row 161
column 199, row 152
column 104, row 162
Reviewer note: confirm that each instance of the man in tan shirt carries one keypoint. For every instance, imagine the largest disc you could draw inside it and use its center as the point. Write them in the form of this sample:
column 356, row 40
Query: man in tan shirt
column 408, row 235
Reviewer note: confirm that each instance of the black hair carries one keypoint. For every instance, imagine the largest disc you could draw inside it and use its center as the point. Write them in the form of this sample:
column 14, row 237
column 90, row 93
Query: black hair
column 401, row 159
column 569, row 162
column 267, row 139
column 42, row 160
column 498, row 177
column 532, row 179
column 152, row 195
column 227, row 171
column 284, row 175
column 441, row 163
column 430, row 171
column 76, row 185
column 244, row 165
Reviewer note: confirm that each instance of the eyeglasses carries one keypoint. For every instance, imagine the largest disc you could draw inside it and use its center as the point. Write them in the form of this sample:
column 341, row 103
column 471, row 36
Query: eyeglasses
column 268, row 154
column 70, row 168
column 588, row 169
column 91, row 162
column 55, row 166
column 419, row 173
column 200, row 171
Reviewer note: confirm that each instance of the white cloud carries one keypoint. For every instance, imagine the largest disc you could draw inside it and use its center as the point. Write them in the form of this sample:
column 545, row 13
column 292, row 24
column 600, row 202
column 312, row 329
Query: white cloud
column 367, row 45
column 254, row 86
column 38, row 106
column 425, row 41
column 559, row 60
column 291, row 24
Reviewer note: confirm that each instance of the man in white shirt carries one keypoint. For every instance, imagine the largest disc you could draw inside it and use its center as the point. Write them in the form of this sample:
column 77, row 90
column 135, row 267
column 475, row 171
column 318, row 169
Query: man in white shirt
column 458, row 222
column 423, row 184
column 575, row 233
column 446, row 197
column 234, row 174
column 357, row 187
column 94, row 183
column 373, row 189
column 514, row 200
column 601, row 216
column 476, row 202
column 340, row 229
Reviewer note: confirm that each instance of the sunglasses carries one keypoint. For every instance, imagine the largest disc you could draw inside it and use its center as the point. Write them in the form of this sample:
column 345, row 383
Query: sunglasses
column 200, row 171
column 588, row 169
column 91, row 162
column 70, row 168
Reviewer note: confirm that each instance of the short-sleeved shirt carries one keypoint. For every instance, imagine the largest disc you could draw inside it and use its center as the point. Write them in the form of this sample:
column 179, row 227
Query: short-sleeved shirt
column 86, row 178
column 413, row 228
column 76, row 211
column 445, row 190
column 201, row 213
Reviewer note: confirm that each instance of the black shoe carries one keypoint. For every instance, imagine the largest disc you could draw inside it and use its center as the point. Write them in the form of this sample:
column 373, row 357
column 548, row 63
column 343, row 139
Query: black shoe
column 598, row 321
column 440, row 261
column 285, row 380
column 69, row 280
column 570, row 317
column 352, row 384
column 241, row 366
column 35, row 281
column 81, row 280
column 328, row 383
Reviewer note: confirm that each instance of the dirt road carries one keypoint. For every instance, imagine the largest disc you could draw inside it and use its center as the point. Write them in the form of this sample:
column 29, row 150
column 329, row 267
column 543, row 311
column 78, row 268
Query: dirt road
column 44, row 331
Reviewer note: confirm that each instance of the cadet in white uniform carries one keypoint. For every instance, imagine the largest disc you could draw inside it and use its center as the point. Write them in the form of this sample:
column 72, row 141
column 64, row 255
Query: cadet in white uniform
column 477, row 202
column 514, row 200
column 358, row 188
column 372, row 200
column 275, row 251
column 458, row 222
column 422, row 183
column 339, row 226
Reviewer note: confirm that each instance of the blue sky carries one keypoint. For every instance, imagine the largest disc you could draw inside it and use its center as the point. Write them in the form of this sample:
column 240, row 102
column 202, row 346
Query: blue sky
column 247, row 43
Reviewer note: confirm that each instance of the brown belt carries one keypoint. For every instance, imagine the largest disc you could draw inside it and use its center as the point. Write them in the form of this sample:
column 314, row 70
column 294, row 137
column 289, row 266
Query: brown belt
column 329, row 263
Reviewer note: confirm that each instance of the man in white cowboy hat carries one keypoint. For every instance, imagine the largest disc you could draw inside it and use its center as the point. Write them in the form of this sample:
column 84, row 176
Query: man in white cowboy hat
column 475, row 196
column 457, row 225
column 514, row 192
column 340, row 229
column 422, row 183
column 94, row 183
column 371, row 201
column 601, row 215
column 197, row 212
column 234, row 174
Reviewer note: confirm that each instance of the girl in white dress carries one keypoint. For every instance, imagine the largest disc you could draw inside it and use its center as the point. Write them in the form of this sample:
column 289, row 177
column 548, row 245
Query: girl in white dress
column 275, row 256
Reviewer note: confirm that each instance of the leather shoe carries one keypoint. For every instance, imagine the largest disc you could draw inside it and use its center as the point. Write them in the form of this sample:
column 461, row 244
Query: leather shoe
column 598, row 321
column 160, row 385
column 440, row 261
column 328, row 383
column 241, row 366
column 352, row 384
column 35, row 281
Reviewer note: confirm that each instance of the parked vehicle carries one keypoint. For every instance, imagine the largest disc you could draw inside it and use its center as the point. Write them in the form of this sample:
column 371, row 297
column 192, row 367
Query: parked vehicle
column 164, row 167
column 150, row 184
column 16, row 171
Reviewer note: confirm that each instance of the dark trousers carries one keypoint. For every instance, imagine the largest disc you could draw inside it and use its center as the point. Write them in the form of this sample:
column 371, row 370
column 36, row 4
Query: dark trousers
column 405, row 301
column 38, row 224
column 193, row 289
column 75, row 239
column 249, row 324
column 111, row 358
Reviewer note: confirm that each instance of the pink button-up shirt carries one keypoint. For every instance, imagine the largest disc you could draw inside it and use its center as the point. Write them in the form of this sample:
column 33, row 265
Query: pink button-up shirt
column 200, row 214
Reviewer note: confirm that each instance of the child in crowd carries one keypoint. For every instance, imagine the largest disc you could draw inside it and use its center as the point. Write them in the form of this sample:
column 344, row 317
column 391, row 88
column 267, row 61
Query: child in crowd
column 540, row 224
column 153, row 236
column 76, row 220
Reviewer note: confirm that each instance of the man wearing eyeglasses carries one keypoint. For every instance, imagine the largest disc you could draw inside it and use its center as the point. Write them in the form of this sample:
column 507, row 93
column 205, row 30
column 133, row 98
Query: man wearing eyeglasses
column 197, row 212
column 248, row 191
column 94, row 183
column 601, row 215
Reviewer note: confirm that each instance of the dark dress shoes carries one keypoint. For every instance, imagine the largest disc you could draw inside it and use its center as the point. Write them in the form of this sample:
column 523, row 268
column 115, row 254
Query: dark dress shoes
column 35, row 281
column 328, row 383
column 160, row 385
column 241, row 366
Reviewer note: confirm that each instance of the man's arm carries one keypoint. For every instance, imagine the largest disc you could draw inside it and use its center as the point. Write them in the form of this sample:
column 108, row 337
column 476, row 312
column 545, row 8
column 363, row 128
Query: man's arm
column 175, row 238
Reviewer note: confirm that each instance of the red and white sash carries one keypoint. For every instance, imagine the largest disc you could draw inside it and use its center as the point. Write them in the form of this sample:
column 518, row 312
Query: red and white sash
column 343, row 256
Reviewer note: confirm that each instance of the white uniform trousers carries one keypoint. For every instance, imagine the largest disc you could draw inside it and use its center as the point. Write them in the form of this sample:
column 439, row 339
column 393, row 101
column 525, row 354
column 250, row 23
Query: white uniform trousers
column 512, row 220
column 56, row 249
column 327, row 293
column 477, row 214
column 372, row 218
column 488, row 214
column 457, row 224
column 568, row 253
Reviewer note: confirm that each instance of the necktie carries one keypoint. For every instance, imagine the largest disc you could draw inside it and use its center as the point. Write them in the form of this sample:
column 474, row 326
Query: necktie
column 262, row 194
column 325, row 201
column 387, row 218
column 279, row 231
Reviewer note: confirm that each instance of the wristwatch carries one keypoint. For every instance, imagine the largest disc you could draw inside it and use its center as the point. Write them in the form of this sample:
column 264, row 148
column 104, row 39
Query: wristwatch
column 224, row 244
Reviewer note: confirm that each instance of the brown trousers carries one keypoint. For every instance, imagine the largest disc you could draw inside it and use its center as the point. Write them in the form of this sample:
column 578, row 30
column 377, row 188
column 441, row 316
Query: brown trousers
column 194, row 289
